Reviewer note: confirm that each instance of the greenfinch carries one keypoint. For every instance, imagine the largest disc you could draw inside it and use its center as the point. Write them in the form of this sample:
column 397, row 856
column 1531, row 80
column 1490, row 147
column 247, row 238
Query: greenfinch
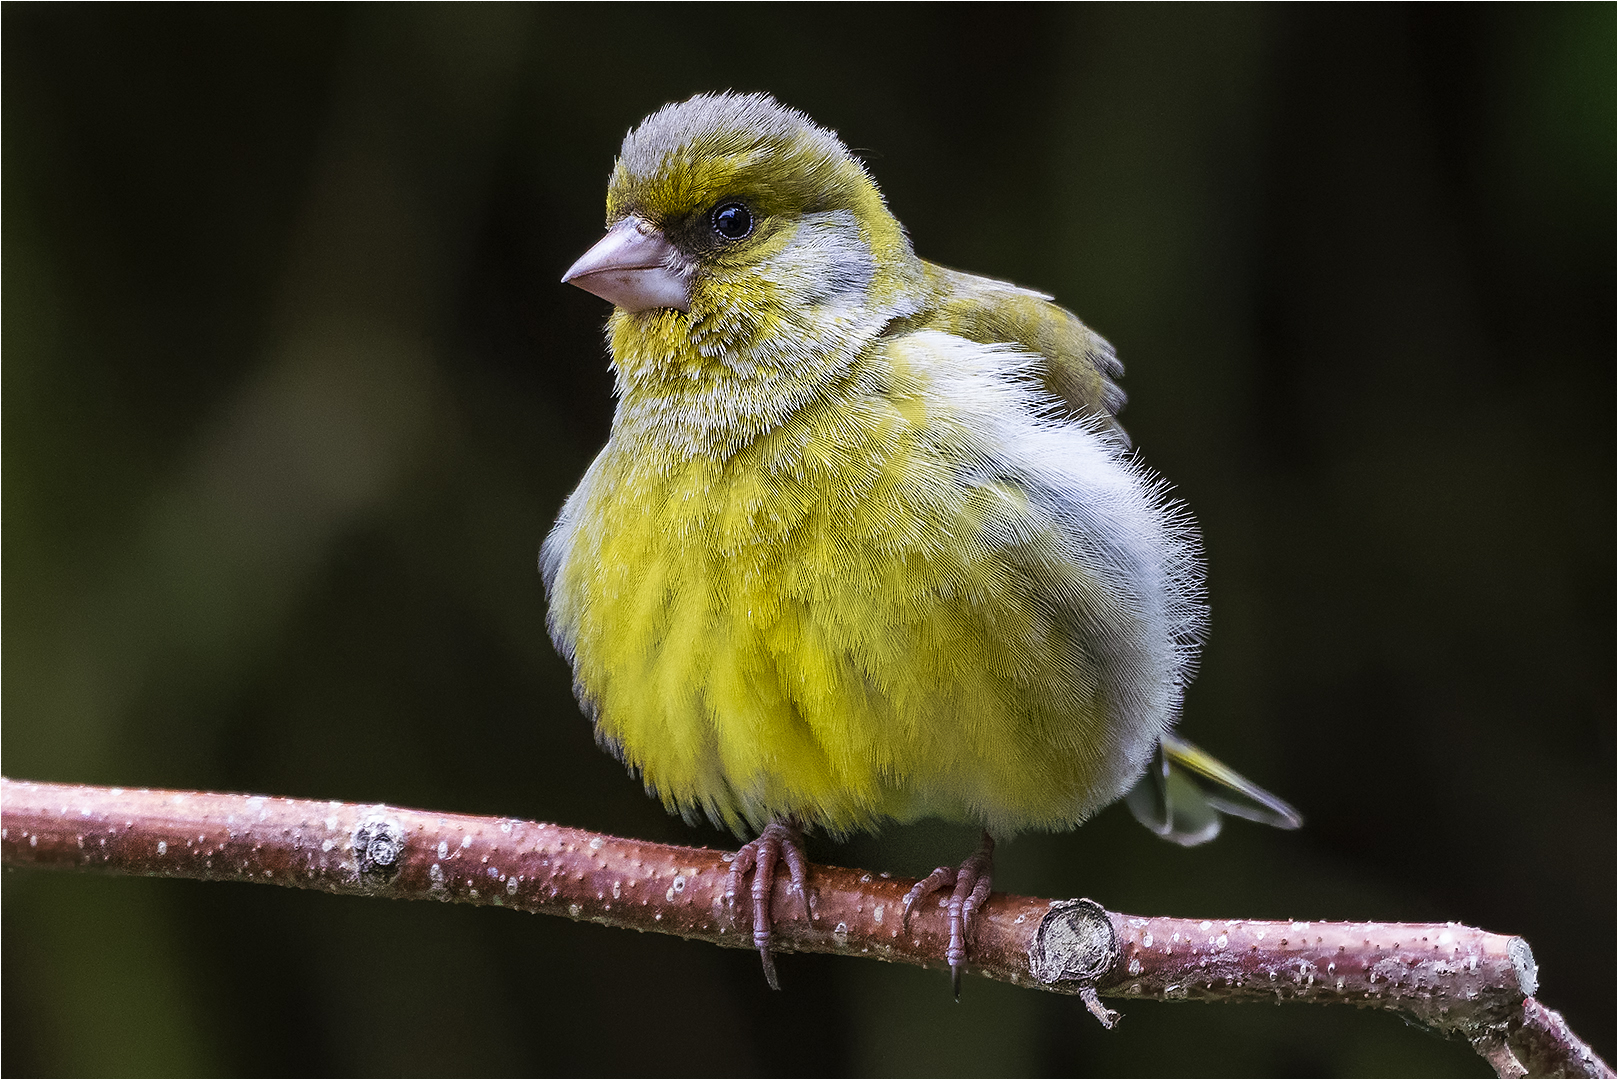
column 867, row 542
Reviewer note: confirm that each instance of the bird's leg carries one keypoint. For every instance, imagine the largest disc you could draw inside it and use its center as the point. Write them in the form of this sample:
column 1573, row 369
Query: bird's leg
column 779, row 840
column 972, row 882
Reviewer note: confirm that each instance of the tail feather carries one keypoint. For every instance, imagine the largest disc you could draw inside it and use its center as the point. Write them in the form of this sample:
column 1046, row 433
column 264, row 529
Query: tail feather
column 1186, row 790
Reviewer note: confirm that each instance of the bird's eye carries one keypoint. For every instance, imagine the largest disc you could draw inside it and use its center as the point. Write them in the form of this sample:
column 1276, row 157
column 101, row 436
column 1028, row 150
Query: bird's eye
column 732, row 220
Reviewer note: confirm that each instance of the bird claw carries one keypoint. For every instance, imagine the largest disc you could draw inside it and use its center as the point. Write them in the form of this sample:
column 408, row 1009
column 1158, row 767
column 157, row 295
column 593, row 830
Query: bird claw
column 779, row 841
column 972, row 881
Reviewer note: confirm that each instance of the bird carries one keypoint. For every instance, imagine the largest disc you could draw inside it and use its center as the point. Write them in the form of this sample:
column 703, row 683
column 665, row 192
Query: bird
column 867, row 542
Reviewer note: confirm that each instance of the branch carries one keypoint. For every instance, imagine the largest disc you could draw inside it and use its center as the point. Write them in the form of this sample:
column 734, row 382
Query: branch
column 1449, row 978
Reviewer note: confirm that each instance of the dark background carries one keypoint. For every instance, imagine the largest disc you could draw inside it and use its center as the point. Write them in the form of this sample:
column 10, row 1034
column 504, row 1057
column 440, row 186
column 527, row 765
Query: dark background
column 291, row 395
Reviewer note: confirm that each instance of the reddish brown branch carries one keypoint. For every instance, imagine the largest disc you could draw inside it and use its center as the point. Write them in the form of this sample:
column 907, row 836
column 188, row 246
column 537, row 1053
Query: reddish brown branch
column 1450, row 978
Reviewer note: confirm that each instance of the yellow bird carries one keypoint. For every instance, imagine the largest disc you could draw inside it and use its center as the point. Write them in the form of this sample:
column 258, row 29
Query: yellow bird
column 867, row 543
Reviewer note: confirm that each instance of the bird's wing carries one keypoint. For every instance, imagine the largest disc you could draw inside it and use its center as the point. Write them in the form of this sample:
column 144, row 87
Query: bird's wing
column 1080, row 366
column 1186, row 789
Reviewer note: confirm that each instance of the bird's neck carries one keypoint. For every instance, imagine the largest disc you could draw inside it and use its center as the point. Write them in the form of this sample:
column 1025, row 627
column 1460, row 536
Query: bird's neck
column 707, row 384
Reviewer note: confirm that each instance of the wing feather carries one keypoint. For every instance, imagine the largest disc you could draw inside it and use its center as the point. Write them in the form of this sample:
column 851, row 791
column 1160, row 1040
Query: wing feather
column 1081, row 369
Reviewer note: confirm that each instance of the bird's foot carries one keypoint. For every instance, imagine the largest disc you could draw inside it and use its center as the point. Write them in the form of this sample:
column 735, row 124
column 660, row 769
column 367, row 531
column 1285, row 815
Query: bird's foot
column 972, row 882
column 778, row 841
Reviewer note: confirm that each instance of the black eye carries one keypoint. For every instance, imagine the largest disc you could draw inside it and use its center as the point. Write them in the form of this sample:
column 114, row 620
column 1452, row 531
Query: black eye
column 732, row 220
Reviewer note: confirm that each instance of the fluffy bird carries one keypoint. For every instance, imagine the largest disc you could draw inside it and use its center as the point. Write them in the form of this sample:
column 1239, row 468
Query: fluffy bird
column 866, row 543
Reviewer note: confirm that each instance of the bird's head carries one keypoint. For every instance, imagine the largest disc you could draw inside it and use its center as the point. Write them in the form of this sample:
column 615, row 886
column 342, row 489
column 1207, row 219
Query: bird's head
column 734, row 214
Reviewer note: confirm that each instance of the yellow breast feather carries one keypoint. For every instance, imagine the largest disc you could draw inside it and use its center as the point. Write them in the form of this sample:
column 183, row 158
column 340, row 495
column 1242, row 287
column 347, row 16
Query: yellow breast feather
column 921, row 594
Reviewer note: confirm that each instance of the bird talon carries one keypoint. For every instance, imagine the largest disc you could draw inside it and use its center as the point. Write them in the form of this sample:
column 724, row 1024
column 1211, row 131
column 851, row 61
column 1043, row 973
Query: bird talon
column 776, row 843
column 769, row 967
column 972, row 883
column 941, row 878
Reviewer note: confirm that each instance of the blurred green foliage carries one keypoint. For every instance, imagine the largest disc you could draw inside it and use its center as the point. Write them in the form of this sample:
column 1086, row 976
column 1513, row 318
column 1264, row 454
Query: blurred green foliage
column 291, row 396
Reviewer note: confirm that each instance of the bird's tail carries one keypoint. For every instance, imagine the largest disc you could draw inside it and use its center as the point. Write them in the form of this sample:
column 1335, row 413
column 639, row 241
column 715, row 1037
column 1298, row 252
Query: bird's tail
column 1186, row 792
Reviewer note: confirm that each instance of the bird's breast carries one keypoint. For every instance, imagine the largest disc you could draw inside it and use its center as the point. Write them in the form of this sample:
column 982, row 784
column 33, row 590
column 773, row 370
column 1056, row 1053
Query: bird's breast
column 868, row 611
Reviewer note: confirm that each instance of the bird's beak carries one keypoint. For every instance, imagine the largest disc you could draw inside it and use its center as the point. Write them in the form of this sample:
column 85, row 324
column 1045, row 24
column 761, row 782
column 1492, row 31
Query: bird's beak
column 630, row 267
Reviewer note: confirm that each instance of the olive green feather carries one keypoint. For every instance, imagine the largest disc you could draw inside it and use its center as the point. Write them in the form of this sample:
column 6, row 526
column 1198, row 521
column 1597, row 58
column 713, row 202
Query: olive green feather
column 1079, row 366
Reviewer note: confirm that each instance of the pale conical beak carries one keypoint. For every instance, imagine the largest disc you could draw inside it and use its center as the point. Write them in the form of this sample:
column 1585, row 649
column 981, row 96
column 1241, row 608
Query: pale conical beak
column 630, row 267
